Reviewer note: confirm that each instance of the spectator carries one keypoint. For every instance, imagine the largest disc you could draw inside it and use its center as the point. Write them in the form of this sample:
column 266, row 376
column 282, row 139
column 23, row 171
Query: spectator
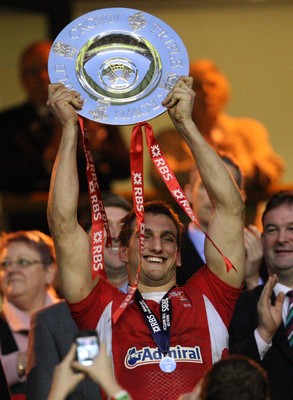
column 28, row 129
column 201, row 309
column 30, row 139
column 258, row 326
column 27, row 269
column 234, row 377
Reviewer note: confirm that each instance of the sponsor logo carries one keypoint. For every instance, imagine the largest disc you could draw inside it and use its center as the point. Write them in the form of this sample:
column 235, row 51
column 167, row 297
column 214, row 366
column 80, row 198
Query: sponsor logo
column 182, row 297
column 148, row 355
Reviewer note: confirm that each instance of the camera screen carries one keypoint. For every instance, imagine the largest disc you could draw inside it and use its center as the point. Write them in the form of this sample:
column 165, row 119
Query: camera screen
column 87, row 349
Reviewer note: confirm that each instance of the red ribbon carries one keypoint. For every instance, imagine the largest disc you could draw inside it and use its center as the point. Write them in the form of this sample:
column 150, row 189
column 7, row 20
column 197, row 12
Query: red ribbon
column 99, row 217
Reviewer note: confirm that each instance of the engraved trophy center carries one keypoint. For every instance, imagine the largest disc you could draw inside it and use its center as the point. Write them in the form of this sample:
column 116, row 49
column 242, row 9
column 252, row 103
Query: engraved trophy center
column 118, row 75
column 119, row 68
column 122, row 61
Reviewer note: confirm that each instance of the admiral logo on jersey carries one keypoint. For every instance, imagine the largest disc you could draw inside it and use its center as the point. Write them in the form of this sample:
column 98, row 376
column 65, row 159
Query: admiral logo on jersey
column 148, row 355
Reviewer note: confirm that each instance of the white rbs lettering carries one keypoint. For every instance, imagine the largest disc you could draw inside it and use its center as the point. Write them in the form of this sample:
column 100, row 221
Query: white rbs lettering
column 153, row 323
column 164, row 170
column 138, row 199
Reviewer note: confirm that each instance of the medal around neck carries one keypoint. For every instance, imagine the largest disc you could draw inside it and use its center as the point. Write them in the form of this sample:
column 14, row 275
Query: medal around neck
column 168, row 364
column 122, row 61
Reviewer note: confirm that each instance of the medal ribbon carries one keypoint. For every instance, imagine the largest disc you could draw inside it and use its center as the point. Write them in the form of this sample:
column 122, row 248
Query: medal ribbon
column 99, row 217
column 137, row 180
column 160, row 330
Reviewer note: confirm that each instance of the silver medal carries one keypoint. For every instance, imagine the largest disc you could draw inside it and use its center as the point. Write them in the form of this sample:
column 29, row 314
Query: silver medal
column 168, row 364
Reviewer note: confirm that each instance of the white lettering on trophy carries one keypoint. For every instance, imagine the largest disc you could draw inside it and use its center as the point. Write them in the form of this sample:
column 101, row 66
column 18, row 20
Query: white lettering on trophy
column 61, row 76
column 92, row 22
column 170, row 44
column 140, row 110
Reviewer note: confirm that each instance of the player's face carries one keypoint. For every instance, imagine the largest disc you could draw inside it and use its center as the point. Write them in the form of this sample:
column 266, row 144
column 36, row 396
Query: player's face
column 160, row 253
column 277, row 241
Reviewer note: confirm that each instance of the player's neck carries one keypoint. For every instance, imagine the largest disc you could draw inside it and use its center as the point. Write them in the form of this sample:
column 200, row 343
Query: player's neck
column 143, row 288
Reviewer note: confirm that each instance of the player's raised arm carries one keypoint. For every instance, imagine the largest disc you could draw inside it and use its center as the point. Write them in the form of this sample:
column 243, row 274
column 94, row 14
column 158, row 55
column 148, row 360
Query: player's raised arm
column 72, row 244
column 226, row 226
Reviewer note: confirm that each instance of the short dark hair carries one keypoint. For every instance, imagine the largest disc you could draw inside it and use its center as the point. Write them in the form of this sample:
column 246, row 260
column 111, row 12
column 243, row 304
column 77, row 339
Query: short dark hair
column 109, row 200
column 115, row 200
column 235, row 377
column 39, row 241
column 154, row 207
column 278, row 199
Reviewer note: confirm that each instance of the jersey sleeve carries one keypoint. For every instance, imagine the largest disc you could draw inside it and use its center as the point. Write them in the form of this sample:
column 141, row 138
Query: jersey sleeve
column 222, row 296
column 87, row 312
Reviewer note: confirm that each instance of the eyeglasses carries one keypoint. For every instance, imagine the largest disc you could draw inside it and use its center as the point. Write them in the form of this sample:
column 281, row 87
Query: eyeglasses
column 22, row 263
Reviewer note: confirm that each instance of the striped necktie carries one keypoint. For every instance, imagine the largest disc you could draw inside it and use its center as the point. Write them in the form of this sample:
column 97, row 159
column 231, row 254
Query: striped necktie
column 289, row 319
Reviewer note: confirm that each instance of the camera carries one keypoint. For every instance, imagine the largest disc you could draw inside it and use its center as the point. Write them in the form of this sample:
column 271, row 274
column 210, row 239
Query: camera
column 87, row 346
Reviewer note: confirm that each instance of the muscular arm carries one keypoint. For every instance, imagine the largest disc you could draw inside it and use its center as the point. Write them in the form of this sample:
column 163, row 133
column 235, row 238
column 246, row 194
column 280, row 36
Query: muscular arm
column 72, row 244
column 226, row 226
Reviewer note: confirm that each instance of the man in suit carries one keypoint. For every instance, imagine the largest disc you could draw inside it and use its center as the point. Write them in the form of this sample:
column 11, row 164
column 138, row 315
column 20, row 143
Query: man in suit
column 30, row 138
column 257, row 329
column 53, row 330
column 193, row 239
column 245, row 138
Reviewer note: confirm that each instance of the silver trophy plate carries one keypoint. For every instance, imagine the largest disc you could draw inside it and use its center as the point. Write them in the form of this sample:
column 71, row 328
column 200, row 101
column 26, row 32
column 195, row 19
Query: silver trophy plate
column 122, row 61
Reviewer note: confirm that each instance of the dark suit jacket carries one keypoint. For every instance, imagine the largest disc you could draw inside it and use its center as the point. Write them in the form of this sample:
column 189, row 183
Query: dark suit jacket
column 190, row 259
column 52, row 333
column 8, row 345
column 4, row 390
column 24, row 138
column 278, row 362
column 27, row 140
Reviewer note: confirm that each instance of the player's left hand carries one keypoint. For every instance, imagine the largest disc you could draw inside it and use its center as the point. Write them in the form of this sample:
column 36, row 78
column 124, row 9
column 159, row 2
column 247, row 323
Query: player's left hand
column 179, row 101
